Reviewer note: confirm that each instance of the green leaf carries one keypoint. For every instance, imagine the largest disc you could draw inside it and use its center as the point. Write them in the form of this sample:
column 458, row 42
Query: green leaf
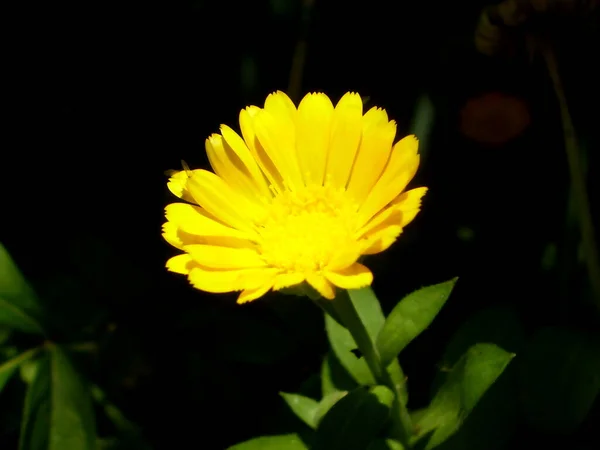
column 326, row 404
column 354, row 369
column 497, row 325
column 19, row 306
column 355, row 420
column 411, row 316
column 371, row 315
column 58, row 412
column 386, row 444
column 35, row 425
column 559, row 378
column 343, row 345
column 28, row 370
column 368, row 309
column 9, row 367
column 281, row 442
column 334, row 377
column 303, row 407
column 466, row 384
column 492, row 423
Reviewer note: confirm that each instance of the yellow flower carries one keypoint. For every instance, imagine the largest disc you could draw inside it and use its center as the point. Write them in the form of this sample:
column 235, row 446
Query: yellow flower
column 299, row 197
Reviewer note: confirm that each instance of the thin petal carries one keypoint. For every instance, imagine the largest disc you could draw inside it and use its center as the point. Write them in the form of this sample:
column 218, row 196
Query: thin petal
column 180, row 264
column 321, row 285
column 263, row 160
column 177, row 184
column 277, row 135
column 179, row 238
column 220, row 200
column 373, row 154
column 247, row 295
column 345, row 257
column 232, row 170
column 354, row 277
column 400, row 169
column 170, row 234
column 313, row 133
column 285, row 280
column 401, row 212
column 221, row 281
column 381, row 239
column 409, row 204
column 240, row 156
column 346, row 129
column 194, row 220
column 216, row 257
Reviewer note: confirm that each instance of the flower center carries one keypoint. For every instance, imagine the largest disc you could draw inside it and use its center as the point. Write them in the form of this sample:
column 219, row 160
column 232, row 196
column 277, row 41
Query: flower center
column 306, row 228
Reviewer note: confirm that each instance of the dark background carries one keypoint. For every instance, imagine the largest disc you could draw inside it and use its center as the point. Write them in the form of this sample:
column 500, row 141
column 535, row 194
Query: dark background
column 107, row 96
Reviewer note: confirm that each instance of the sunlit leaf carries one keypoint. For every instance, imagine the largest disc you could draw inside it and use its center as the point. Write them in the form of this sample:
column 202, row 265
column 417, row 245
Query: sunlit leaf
column 410, row 317
column 355, row 420
column 368, row 309
column 19, row 305
column 465, row 385
column 559, row 378
column 344, row 348
column 303, row 407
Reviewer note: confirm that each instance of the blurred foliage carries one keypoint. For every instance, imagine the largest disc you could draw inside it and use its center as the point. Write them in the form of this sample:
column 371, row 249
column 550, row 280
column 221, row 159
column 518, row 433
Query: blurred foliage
column 101, row 348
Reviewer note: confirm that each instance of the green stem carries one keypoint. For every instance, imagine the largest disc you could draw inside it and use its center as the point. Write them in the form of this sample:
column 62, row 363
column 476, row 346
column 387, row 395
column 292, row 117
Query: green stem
column 349, row 317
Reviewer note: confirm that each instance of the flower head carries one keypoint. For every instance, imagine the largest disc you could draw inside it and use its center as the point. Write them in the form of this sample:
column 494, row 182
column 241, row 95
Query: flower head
column 299, row 197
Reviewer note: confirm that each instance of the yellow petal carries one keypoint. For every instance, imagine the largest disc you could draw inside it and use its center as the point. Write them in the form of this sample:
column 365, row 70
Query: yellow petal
column 373, row 154
column 216, row 257
column 232, row 170
column 400, row 169
column 247, row 295
column 284, row 280
column 375, row 116
column 321, row 285
column 354, row 277
column 179, row 238
column 180, row 264
column 313, row 131
column 401, row 212
column 280, row 105
column 346, row 129
column 277, row 135
column 177, row 184
column 381, row 239
column 194, row 220
column 343, row 258
column 220, row 200
column 263, row 160
column 221, row 281
column 170, row 234
column 240, row 156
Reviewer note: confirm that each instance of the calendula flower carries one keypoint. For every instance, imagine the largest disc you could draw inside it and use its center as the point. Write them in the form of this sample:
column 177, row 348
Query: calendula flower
column 299, row 197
